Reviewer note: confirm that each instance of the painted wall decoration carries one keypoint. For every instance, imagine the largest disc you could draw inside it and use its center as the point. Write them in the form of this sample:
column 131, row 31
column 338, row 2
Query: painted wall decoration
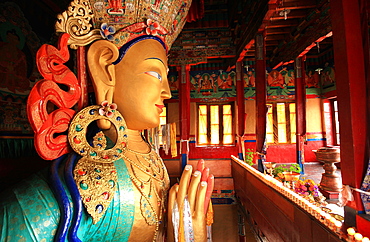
column 13, row 62
column 18, row 72
column 327, row 76
column 320, row 72
column 312, row 78
column 13, row 115
column 249, row 78
column 209, row 81
column 213, row 84
column 192, row 47
column 280, row 83
column 173, row 81
column 207, row 84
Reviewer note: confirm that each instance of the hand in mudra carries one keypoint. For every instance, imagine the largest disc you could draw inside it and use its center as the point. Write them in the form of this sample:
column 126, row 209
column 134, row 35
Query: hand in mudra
column 197, row 189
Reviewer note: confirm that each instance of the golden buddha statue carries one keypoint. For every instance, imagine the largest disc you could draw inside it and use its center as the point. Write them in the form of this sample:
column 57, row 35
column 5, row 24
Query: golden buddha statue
column 115, row 185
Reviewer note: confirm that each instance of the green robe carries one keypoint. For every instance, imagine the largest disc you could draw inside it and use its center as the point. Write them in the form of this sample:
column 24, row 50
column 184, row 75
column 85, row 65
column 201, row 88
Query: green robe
column 30, row 212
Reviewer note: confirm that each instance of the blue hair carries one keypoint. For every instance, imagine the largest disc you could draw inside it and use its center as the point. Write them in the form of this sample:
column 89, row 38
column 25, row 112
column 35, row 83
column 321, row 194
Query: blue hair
column 123, row 50
column 62, row 198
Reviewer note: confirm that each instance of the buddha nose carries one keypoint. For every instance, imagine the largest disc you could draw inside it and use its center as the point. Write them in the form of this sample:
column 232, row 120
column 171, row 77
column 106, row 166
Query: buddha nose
column 166, row 91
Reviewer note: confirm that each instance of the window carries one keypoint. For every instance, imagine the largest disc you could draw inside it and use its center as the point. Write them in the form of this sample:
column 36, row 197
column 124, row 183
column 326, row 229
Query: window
column 281, row 124
column 215, row 124
column 334, row 104
column 331, row 119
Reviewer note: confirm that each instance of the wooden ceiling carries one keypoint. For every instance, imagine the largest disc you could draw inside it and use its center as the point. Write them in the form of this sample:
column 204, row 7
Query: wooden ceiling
column 227, row 31
column 289, row 27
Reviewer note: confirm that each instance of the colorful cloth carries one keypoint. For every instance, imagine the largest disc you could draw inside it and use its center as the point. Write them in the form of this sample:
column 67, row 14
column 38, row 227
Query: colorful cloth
column 366, row 187
column 173, row 140
column 30, row 212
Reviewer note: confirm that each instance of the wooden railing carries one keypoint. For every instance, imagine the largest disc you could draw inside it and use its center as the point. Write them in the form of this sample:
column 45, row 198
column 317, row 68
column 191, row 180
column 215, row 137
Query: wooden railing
column 278, row 213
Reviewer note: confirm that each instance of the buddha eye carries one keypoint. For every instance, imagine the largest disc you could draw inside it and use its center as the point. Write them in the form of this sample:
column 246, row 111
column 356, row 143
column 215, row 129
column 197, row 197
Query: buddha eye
column 154, row 74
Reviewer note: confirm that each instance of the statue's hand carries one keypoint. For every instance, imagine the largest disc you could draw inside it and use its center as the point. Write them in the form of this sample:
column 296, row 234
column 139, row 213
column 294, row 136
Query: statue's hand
column 197, row 189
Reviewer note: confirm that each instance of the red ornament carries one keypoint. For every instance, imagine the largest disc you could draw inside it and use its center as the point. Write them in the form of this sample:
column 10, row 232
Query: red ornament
column 105, row 195
column 49, row 128
column 81, row 172
column 76, row 140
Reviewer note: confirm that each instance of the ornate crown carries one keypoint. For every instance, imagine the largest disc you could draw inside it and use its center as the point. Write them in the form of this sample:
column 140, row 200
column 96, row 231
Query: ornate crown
column 122, row 20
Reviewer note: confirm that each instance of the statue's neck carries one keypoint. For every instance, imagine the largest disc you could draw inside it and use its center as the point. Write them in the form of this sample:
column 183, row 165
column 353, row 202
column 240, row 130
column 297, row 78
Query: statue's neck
column 136, row 142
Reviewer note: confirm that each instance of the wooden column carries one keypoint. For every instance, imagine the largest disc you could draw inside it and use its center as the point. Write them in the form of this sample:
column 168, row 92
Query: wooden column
column 300, row 110
column 184, row 103
column 241, row 108
column 348, row 41
column 260, row 100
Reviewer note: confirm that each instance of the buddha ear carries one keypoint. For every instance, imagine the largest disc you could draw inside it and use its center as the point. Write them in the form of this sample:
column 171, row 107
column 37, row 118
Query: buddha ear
column 100, row 58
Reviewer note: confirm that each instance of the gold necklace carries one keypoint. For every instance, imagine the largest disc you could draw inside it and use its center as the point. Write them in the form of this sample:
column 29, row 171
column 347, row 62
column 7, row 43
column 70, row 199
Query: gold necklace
column 155, row 171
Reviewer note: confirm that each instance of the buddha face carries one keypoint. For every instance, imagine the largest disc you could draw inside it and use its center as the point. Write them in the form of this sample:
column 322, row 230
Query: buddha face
column 141, row 84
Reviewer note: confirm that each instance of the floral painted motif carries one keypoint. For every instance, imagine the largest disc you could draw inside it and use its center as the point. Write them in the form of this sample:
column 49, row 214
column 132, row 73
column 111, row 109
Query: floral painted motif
column 107, row 31
column 107, row 109
column 152, row 28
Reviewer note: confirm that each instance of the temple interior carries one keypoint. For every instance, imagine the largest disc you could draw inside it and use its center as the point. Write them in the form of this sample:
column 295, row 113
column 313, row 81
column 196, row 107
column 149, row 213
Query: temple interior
column 272, row 94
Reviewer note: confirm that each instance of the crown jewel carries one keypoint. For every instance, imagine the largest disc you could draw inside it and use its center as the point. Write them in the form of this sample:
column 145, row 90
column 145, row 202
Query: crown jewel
column 122, row 20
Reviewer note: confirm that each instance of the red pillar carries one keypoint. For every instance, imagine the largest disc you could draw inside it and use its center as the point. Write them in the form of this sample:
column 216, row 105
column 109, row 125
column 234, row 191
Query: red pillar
column 241, row 107
column 348, row 41
column 300, row 110
column 184, row 103
column 261, row 93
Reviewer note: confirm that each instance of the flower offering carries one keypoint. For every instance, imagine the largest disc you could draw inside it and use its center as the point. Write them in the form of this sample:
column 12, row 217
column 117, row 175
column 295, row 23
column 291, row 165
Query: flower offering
column 307, row 188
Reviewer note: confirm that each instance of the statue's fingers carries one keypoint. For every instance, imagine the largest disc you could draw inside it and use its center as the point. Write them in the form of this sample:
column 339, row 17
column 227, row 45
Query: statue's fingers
column 183, row 185
column 193, row 188
column 171, row 202
column 200, row 197
column 200, row 165
column 210, row 185
column 205, row 174
column 172, row 194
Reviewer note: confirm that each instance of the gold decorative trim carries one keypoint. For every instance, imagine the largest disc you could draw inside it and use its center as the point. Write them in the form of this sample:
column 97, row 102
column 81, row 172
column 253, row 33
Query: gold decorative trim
column 95, row 173
column 97, row 184
column 76, row 21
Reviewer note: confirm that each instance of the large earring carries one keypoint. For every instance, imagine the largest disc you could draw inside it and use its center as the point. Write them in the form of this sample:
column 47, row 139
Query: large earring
column 95, row 174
